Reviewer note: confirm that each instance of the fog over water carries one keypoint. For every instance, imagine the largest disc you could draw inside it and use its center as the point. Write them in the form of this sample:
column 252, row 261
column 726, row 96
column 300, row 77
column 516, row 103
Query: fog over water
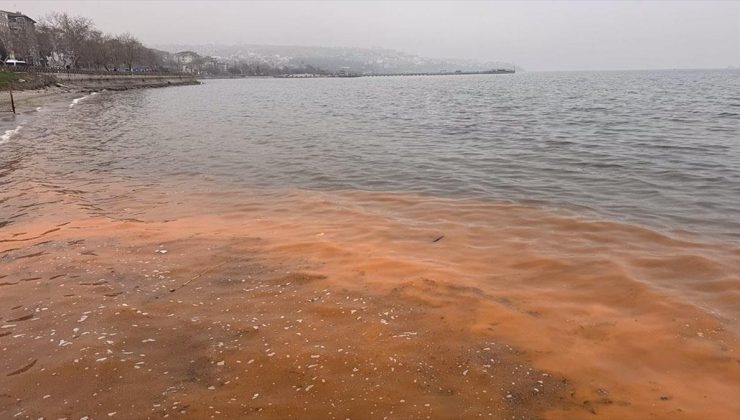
column 534, row 35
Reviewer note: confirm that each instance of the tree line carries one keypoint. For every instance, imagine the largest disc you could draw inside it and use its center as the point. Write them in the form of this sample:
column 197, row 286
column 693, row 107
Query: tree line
column 63, row 41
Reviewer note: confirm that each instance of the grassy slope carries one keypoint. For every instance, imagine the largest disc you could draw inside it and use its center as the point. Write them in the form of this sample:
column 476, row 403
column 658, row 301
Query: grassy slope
column 7, row 77
column 26, row 81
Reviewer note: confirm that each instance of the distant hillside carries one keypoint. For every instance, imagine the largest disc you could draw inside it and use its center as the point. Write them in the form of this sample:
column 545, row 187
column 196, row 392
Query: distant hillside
column 359, row 60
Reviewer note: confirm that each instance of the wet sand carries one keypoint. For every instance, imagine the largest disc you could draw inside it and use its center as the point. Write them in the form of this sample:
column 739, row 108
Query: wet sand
column 30, row 100
column 161, row 303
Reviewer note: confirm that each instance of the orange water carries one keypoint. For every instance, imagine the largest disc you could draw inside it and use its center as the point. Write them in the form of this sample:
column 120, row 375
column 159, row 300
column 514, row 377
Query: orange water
column 366, row 305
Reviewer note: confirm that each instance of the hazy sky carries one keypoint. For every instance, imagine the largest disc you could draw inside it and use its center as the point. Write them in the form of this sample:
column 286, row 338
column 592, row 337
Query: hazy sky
column 534, row 35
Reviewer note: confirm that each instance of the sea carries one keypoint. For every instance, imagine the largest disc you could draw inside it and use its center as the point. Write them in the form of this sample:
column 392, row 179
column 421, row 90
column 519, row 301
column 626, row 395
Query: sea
column 526, row 245
column 654, row 148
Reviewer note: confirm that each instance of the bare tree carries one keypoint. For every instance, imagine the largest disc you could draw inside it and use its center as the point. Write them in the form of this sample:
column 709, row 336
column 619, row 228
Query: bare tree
column 69, row 36
column 131, row 50
column 3, row 48
column 61, row 40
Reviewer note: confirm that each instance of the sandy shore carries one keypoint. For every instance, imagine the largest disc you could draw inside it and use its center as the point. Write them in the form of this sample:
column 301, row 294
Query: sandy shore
column 29, row 100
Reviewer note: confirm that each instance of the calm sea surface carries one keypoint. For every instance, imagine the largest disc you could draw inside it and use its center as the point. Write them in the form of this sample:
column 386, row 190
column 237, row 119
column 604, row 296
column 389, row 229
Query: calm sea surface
column 658, row 148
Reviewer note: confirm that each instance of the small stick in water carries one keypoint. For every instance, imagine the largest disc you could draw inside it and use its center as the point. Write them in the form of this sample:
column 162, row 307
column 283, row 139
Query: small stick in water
column 24, row 368
column 438, row 239
column 198, row 276
column 22, row 318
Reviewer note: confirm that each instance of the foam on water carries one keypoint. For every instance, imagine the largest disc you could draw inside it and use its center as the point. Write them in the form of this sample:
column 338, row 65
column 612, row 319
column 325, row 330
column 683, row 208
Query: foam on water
column 9, row 133
column 77, row 100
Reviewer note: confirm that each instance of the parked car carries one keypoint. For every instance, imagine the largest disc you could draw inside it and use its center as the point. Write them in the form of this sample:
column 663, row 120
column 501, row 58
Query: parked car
column 15, row 63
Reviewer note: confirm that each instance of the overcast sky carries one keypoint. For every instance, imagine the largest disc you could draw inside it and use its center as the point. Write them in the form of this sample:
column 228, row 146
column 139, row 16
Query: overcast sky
column 534, row 35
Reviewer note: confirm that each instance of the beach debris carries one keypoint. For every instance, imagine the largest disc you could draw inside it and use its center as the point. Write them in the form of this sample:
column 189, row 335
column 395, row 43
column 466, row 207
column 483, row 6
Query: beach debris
column 24, row 368
column 197, row 276
column 439, row 238
column 22, row 318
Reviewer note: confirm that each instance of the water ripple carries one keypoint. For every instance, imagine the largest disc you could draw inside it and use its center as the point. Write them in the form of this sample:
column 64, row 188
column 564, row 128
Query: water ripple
column 657, row 148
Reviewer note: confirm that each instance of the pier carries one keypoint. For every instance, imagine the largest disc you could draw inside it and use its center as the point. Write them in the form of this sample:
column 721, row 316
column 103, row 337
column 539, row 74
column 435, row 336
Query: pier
column 445, row 73
column 349, row 74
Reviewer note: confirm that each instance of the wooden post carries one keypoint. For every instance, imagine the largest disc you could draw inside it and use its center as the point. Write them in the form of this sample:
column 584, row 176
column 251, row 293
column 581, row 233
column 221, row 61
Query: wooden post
column 12, row 102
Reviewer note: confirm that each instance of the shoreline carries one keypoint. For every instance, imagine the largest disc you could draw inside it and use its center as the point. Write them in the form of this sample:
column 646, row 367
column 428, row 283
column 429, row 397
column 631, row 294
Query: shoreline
column 29, row 100
column 67, row 85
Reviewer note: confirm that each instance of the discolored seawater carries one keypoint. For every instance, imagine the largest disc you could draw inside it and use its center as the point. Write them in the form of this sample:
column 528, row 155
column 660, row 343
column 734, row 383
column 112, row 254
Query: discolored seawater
column 536, row 245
